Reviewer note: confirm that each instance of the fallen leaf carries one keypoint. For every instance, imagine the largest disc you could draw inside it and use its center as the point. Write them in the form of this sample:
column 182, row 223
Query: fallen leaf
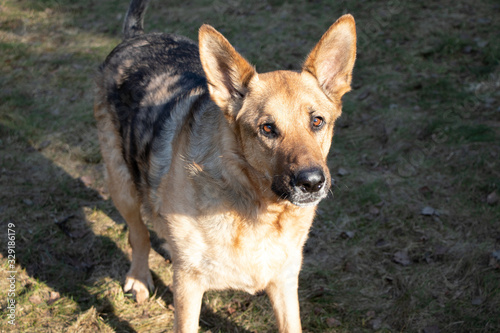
column 319, row 292
column 103, row 192
column 440, row 250
column 342, row 172
column 477, row 300
column 428, row 211
column 374, row 210
column 370, row 314
column 431, row 329
column 87, row 180
column 376, row 323
column 145, row 314
column 54, row 296
column 350, row 267
column 428, row 257
column 317, row 311
column 425, row 190
column 35, row 299
column 492, row 198
column 79, row 233
column 481, row 43
column 347, row 234
column 483, row 20
column 468, row 49
column 363, row 95
column 43, row 145
column 332, row 322
column 62, row 224
column 495, row 259
column 402, row 258
column 28, row 202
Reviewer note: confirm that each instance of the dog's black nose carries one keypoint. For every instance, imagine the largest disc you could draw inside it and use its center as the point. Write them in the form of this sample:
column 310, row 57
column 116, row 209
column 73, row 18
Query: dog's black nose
column 311, row 180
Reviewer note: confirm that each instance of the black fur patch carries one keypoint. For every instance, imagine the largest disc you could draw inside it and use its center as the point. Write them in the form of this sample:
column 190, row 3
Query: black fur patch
column 130, row 69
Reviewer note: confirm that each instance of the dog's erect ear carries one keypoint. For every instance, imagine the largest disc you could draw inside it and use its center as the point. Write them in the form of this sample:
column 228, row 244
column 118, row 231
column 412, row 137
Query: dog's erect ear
column 228, row 73
column 332, row 59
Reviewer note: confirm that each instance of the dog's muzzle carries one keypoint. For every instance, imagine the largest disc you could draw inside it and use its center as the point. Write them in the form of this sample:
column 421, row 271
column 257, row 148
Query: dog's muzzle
column 304, row 188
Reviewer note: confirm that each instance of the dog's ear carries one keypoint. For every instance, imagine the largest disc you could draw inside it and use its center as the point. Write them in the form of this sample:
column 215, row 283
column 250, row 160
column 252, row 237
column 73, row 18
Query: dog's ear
column 228, row 73
column 332, row 59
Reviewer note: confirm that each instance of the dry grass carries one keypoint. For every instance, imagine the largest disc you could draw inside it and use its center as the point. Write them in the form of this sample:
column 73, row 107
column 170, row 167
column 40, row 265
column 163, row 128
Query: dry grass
column 419, row 130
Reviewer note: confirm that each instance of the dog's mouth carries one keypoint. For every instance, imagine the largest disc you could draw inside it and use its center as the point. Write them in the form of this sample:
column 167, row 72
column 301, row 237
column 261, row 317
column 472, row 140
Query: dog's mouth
column 304, row 188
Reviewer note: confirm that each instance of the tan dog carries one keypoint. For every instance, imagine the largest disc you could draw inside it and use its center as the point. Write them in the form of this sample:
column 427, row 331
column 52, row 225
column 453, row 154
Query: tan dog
column 229, row 164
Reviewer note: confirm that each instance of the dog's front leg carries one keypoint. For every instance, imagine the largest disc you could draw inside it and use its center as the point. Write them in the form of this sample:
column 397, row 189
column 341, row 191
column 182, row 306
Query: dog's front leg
column 188, row 294
column 284, row 297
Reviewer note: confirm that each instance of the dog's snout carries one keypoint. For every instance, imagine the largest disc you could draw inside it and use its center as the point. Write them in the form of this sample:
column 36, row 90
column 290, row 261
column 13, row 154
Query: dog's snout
column 310, row 181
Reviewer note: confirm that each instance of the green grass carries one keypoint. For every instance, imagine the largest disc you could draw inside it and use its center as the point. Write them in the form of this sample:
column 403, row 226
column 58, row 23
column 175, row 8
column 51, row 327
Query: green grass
column 420, row 129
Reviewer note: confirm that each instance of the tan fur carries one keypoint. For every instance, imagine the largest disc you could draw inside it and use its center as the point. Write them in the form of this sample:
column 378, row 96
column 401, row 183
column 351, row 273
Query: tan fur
column 126, row 200
column 225, row 227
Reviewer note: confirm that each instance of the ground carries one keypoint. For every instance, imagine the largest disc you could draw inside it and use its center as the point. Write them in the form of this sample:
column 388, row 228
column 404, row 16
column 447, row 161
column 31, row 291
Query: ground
column 409, row 240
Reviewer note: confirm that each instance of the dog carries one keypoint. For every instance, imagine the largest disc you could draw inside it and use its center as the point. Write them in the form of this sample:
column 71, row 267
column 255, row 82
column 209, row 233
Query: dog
column 228, row 164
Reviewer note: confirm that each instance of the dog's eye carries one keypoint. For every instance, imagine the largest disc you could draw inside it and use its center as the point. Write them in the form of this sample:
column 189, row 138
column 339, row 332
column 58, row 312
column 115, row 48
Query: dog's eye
column 317, row 122
column 269, row 130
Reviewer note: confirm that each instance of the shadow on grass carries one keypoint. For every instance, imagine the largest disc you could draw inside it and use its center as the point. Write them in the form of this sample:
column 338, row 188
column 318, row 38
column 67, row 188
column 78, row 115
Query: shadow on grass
column 55, row 242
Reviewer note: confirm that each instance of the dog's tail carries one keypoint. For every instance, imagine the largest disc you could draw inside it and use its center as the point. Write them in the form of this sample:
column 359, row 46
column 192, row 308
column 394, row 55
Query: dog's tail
column 133, row 25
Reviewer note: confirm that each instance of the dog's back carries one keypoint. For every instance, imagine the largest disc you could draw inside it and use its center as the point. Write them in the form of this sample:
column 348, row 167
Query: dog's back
column 153, row 83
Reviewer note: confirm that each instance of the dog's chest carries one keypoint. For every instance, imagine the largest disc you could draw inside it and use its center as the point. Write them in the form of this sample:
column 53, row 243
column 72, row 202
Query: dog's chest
column 244, row 255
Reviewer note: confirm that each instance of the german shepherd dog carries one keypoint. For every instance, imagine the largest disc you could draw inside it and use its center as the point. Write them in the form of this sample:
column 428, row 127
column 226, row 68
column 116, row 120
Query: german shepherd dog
column 228, row 164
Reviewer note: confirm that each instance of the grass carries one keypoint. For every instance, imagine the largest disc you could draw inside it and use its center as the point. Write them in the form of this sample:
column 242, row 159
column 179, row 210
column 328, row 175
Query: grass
column 421, row 128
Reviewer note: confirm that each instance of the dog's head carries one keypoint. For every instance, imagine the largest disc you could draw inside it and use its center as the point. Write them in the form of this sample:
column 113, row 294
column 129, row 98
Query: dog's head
column 284, row 120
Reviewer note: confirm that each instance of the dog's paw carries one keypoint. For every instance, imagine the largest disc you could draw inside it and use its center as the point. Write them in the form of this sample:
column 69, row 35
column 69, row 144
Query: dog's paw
column 139, row 285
